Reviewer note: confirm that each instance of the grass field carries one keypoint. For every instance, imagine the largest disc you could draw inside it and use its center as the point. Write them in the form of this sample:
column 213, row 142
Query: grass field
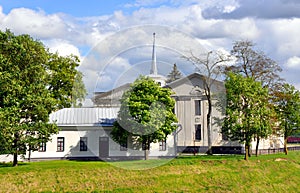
column 268, row 173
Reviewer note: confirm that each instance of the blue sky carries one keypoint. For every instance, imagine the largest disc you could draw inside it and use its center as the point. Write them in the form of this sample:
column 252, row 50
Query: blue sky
column 113, row 38
column 78, row 8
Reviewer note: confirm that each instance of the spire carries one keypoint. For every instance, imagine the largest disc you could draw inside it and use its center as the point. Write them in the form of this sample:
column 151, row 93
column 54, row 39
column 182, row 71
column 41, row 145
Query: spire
column 153, row 66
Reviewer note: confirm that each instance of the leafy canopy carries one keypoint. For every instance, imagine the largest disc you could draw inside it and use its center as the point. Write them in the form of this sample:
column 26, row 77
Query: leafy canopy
column 145, row 113
column 246, row 109
column 33, row 83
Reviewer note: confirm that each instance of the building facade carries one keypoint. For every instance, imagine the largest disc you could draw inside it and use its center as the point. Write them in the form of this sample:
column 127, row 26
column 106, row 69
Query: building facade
column 85, row 132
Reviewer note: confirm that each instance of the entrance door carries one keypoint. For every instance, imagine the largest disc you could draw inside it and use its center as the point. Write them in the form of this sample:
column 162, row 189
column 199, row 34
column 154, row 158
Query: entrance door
column 103, row 147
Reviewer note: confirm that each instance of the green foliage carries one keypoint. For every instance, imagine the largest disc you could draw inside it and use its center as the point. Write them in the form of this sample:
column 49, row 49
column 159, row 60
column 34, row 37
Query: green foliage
column 247, row 112
column 145, row 114
column 288, row 110
column 174, row 74
column 33, row 83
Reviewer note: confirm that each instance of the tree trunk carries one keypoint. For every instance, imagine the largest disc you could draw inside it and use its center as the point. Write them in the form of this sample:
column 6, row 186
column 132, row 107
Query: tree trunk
column 257, row 144
column 147, row 147
column 15, row 147
column 15, row 162
column 146, row 154
column 246, row 152
column 285, row 145
column 29, row 153
column 249, row 150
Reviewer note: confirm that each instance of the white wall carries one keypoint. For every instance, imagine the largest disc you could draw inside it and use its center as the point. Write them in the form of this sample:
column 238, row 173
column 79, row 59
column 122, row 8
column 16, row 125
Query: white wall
column 72, row 147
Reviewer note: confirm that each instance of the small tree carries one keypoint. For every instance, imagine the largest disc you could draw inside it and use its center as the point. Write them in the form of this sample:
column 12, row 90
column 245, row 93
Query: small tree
column 245, row 110
column 288, row 109
column 210, row 65
column 33, row 83
column 174, row 74
column 145, row 114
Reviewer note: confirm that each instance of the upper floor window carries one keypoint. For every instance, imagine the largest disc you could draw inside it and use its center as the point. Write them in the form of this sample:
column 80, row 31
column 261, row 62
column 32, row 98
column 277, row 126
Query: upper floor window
column 197, row 107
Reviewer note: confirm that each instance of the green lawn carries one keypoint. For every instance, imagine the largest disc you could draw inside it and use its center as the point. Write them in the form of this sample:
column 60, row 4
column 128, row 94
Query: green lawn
column 186, row 174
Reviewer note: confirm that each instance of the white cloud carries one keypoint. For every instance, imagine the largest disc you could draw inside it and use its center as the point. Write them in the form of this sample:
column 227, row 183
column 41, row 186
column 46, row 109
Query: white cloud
column 2, row 15
column 180, row 26
column 36, row 23
column 63, row 47
column 293, row 62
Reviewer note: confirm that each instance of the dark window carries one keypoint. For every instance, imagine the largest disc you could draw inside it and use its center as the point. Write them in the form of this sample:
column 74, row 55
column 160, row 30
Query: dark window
column 197, row 132
column 123, row 146
column 83, row 143
column 162, row 145
column 224, row 136
column 145, row 145
column 42, row 147
column 197, row 107
column 60, row 144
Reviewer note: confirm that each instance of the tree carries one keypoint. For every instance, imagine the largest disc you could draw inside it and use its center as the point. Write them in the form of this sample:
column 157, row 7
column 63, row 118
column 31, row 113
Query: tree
column 210, row 65
column 245, row 110
column 288, row 109
column 33, row 83
column 145, row 114
column 255, row 64
column 174, row 74
column 79, row 92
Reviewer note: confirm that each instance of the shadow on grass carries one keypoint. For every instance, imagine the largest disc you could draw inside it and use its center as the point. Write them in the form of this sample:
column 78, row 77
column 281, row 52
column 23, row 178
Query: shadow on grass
column 9, row 164
column 212, row 157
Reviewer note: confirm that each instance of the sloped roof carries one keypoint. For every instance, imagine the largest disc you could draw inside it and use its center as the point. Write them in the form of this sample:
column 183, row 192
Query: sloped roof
column 84, row 116
column 107, row 96
column 188, row 78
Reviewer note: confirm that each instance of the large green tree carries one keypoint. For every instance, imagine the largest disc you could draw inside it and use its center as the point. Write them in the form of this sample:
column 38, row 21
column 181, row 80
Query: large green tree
column 288, row 109
column 33, row 83
column 255, row 64
column 146, row 114
column 246, row 110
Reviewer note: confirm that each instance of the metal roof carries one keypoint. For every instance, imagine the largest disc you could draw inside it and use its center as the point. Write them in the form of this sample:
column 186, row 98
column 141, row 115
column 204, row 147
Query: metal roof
column 84, row 116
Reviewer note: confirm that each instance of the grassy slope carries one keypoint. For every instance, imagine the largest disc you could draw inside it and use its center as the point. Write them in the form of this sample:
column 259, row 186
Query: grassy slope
column 188, row 174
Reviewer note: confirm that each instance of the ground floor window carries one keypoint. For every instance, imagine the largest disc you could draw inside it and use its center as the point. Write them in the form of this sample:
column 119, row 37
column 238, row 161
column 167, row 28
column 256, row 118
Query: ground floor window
column 198, row 132
column 123, row 146
column 42, row 147
column 83, row 143
column 224, row 136
column 60, row 144
column 162, row 145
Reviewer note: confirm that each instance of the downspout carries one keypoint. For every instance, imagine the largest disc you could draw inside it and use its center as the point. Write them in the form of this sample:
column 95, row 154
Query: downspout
column 175, row 133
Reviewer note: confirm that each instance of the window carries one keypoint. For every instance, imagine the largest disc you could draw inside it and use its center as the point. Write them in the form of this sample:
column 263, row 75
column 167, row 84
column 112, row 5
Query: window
column 42, row 146
column 123, row 146
column 60, row 144
column 197, row 107
column 83, row 144
column 224, row 136
column 145, row 145
column 197, row 132
column 162, row 145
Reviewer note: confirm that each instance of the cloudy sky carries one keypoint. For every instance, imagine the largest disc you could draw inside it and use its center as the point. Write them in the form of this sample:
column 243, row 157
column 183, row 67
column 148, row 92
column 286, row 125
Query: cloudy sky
column 113, row 38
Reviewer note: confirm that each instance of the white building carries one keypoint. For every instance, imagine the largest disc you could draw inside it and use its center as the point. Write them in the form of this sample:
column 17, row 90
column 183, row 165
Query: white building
column 85, row 132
